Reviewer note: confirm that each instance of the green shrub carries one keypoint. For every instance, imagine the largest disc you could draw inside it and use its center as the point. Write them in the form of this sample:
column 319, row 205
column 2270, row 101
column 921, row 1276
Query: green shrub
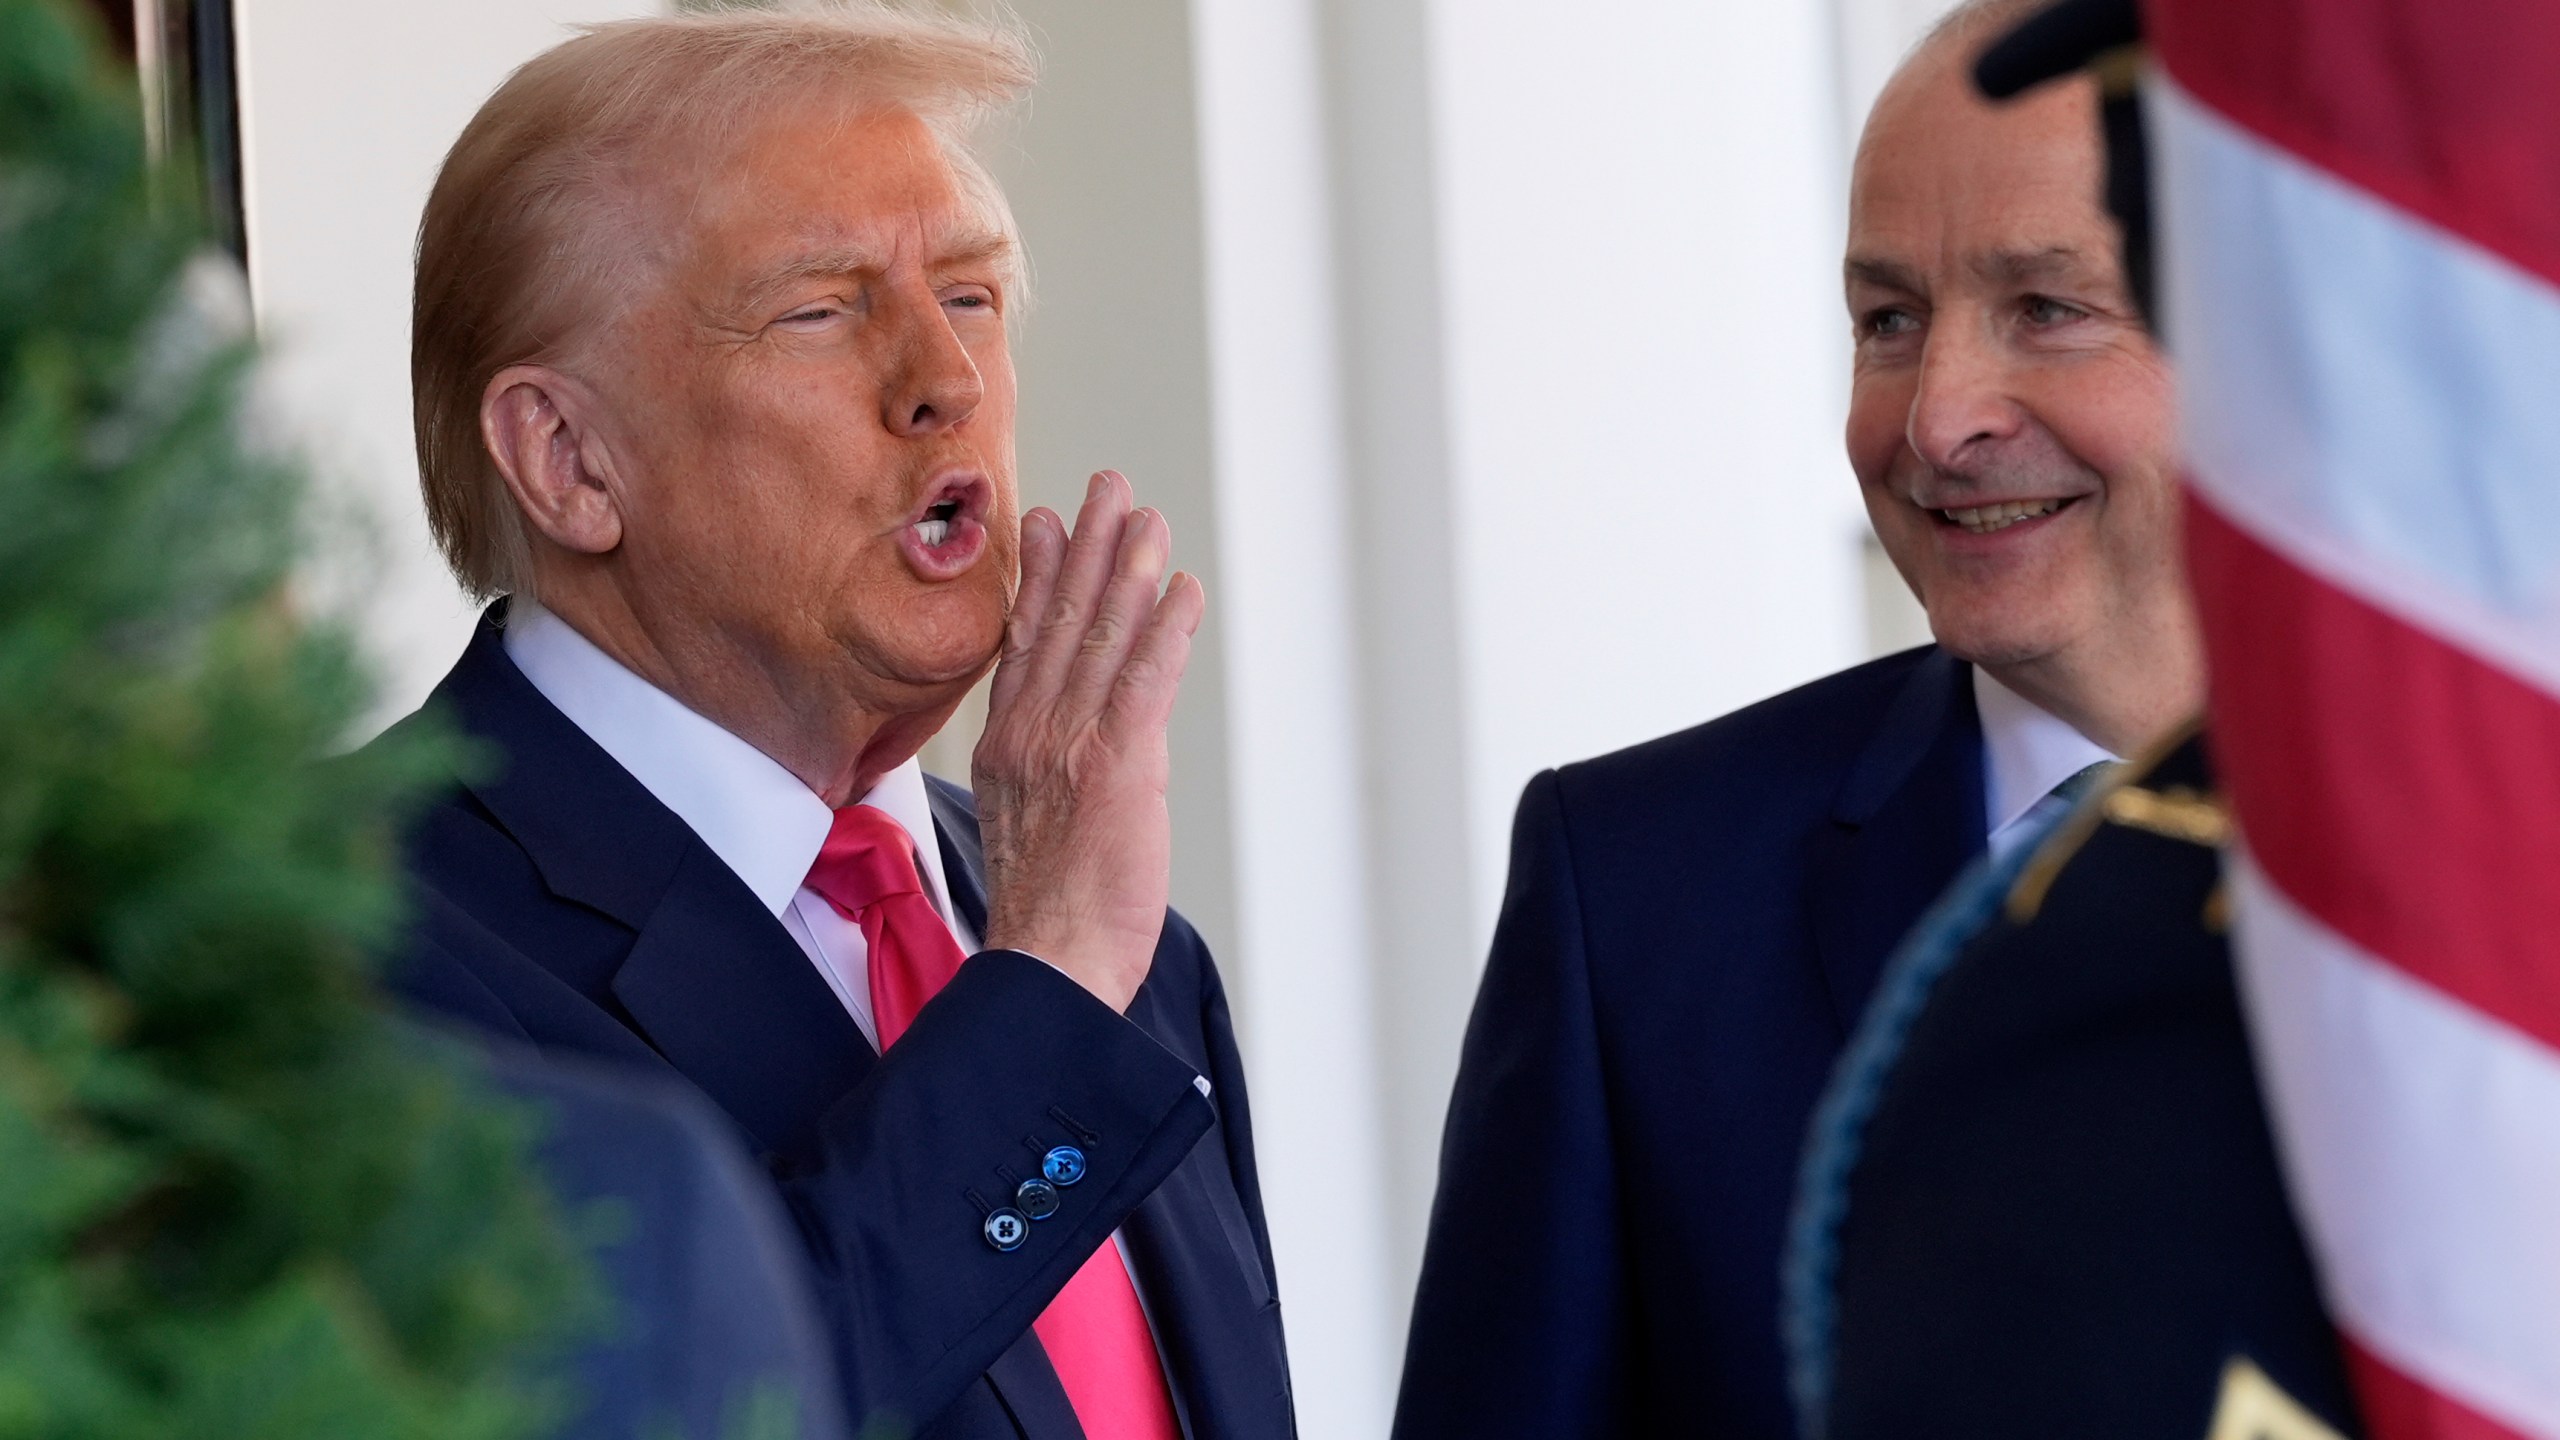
column 236, row 1198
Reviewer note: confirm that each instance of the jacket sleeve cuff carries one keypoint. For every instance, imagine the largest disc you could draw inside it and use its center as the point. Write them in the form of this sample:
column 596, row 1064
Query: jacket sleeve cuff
column 1009, row 1064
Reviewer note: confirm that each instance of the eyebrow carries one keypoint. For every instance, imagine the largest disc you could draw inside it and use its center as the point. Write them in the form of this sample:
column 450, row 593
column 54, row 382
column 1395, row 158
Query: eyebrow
column 2021, row 267
column 1999, row 267
column 1885, row 274
column 838, row 259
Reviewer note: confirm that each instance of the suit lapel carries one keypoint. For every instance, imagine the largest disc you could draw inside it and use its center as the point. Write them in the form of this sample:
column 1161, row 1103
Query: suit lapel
column 1908, row 816
column 598, row 837
column 712, row 980
column 720, row 988
column 964, row 864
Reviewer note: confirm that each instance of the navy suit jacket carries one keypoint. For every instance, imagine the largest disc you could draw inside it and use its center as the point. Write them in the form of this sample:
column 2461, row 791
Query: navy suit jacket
column 1691, row 929
column 560, row 903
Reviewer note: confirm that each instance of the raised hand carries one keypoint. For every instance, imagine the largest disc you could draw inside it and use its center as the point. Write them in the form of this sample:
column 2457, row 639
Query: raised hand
column 1070, row 774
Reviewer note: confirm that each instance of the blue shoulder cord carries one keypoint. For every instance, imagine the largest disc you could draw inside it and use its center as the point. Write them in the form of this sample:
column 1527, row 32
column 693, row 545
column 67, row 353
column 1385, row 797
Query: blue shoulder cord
column 1812, row 1256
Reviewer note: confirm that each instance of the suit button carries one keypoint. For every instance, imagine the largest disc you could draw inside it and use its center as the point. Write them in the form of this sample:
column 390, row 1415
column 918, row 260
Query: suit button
column 1037, row 1199
column 1006, row 1229
column 1063, row 1166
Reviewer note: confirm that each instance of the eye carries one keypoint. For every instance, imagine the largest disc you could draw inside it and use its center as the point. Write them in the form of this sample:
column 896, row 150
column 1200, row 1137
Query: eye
column 971, row 297
column 808, row 315
column 2044, row 310
column 1887, row 321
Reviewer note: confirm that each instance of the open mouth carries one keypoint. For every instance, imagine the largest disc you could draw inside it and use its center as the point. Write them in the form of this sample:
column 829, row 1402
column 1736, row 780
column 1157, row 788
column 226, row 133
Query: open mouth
column 949, row 532
column 1987, row 519
column 935, row 527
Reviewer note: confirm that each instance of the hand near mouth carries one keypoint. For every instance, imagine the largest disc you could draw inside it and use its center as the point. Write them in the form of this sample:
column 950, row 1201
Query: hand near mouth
column 1071, row 772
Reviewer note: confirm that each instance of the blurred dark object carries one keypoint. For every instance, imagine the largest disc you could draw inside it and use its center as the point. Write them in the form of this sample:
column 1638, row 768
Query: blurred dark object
column 2049, row 1141
column 2054, row 42
column 716, row 1332
column 2104, row 36
column 183, row 51
column 117, row 16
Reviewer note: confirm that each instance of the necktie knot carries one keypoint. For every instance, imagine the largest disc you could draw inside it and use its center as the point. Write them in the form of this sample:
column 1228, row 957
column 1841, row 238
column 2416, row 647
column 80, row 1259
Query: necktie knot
column 867, row 871
column 868, row 857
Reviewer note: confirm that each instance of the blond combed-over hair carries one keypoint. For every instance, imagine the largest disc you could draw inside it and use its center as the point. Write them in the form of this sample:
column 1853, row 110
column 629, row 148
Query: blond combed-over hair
column 534, row 228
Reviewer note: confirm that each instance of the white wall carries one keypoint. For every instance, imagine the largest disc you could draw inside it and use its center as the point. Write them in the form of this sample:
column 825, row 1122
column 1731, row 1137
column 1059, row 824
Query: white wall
column 346, row 112
column 1103, row 170
column 1872, row 38
column 1640, row 217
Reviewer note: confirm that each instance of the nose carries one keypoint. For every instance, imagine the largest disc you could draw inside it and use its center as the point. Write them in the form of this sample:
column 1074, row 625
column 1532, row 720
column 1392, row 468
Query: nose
column 1963, row 402
column 934, row 385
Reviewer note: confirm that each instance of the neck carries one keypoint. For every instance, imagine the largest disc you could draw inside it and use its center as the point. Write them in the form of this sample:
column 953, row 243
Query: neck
column 817, row 726
column 2123, row 689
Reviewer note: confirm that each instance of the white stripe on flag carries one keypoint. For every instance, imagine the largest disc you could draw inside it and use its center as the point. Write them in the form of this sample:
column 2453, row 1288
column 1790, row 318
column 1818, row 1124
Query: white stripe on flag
column 2419, row 1136
column 2374, row 396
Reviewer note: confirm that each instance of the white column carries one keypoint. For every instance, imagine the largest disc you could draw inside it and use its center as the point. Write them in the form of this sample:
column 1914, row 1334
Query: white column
column 1103, row 169
column 1640, row 204
column 346, row 111
column 1424, row 897
column 1295, row 761
column 1872, row 36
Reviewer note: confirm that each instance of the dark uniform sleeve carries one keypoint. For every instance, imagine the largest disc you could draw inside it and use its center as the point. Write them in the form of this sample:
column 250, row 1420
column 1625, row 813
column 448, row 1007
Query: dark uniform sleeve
column 1520, row 1324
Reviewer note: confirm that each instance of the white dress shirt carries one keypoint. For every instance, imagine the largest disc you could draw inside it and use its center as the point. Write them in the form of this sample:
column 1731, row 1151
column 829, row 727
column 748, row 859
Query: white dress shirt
column 762, row 822
column 2026, row 751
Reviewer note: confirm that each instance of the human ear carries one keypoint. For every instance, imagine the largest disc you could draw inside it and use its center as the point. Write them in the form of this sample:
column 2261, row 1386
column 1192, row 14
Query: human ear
column 535, row 420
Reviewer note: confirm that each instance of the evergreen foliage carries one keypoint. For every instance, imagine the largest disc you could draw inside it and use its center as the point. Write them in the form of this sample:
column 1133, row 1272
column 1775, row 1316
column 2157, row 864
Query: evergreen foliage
column 236, row 1197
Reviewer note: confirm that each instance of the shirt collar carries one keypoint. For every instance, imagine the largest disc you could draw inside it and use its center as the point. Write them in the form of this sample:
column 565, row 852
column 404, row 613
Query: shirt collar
column 758, row 817
column 2026, row 751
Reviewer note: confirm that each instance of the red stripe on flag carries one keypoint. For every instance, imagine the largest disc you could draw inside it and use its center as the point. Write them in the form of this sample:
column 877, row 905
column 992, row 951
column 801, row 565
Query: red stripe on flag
column 2397, row 1405
column 2403, row 792
column 2445, row 108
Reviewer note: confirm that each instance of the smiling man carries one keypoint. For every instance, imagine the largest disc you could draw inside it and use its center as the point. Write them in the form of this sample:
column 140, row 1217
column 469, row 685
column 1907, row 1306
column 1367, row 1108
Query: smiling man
column 714, row 401
column 1693, row 926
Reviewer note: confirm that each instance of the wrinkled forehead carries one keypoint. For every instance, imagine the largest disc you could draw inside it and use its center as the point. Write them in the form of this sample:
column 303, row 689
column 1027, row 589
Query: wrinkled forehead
column 1944, row 179
column 819, row 181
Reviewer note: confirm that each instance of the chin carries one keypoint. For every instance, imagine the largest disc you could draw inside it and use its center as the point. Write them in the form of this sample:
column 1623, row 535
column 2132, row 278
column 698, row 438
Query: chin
column 942, row 645
column 937, row 669
column 928, row 644
column 1994, row 641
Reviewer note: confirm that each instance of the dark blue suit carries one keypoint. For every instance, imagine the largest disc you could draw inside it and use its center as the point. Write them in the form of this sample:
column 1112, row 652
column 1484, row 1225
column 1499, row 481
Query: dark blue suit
column 560, row 902
column 1691, row 929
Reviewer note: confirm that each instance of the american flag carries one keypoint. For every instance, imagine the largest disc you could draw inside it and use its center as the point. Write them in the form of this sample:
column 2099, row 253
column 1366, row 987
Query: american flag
column 2360, row 205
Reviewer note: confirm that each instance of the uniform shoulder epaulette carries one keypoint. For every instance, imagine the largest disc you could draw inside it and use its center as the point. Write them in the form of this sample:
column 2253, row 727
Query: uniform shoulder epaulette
column 2137, row 796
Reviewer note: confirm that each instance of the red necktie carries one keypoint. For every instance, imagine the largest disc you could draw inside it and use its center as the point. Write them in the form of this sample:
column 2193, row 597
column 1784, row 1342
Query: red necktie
column 1095, row 1333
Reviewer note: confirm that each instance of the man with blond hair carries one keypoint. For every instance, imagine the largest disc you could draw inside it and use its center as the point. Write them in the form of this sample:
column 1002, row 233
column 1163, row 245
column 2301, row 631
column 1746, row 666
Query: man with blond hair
column 714, row 404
